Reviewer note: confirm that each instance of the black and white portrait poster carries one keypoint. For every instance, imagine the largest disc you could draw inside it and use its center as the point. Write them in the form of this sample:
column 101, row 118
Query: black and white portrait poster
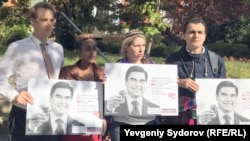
column 141, row 89
column 223, row 101
column 63, row 107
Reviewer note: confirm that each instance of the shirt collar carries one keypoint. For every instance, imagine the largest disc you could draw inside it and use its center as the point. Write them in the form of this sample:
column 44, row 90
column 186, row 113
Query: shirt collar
column 130, row 99
column 36, row 40
column 54, row 118
column 203, row 50
column 221, row 114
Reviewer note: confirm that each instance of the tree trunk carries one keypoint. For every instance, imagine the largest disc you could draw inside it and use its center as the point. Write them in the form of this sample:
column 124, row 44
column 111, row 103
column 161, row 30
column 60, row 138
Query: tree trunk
column 149, row 46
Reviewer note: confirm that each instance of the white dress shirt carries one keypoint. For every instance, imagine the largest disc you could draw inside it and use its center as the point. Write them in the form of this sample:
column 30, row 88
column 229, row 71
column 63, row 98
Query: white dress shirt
column 221, row 115
column 23, row 59
column 132, row 119
column 131, row 106
column 54, row 124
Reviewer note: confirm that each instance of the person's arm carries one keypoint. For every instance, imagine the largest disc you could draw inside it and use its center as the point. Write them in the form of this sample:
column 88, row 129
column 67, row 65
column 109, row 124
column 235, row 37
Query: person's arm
column 64, row 74
column 8, row 65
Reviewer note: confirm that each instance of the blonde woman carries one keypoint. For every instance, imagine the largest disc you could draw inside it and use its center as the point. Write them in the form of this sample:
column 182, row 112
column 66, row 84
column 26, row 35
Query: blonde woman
column 132, row 51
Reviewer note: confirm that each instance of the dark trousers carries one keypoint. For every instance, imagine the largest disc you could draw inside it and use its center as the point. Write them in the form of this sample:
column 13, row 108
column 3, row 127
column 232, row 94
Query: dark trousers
column 17, row 125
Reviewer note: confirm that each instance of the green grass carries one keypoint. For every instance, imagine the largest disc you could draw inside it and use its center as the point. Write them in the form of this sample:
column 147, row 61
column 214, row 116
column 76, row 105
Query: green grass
column 235, row 69
column 71, row 57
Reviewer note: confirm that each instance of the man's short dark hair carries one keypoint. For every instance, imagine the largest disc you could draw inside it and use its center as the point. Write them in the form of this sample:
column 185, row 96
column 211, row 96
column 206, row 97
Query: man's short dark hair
column 226, row 84
column 64, row 85
column 136, row 69
column 45, row 5
column 195, row 19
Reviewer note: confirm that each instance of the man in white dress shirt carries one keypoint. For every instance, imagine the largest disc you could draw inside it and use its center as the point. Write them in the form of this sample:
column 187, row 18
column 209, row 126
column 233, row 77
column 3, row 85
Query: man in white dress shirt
column 23, row 59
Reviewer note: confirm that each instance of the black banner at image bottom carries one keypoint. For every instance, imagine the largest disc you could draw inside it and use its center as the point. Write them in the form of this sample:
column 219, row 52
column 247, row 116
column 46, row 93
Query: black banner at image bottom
column 186, row 132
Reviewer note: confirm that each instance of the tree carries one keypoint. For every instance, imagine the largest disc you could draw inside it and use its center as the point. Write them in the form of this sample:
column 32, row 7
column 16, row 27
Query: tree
column 145, row 15
column 14, row 22
column 215, row 12
column 80, row 13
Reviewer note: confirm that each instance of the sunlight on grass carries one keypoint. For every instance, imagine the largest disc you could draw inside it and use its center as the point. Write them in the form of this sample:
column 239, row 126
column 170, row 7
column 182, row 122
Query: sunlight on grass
column 114, row 57
column 235, row 69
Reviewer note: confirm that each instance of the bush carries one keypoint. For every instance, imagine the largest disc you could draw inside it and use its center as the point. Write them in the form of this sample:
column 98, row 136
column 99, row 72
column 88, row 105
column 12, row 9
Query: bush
column 159, row 50
column 163, row 51
column 225, row 49
column 15, row 33
column 113, row 48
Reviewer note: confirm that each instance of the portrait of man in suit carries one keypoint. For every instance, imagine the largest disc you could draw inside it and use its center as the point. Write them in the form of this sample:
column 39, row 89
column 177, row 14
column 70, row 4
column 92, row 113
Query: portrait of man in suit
column 224, row 112
column 131, row 101
column 55, row 121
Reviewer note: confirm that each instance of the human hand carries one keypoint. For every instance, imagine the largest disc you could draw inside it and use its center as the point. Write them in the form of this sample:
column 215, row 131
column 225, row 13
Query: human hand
column 36, row 120
column 101, row 74
column 189, row 84
column 104, row 126
column 104, row 78
column 115, row 101
column 206, row 116
column 23, row 98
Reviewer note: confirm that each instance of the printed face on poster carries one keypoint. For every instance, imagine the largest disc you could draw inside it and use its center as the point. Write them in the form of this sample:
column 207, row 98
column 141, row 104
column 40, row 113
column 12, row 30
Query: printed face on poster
column 64, row 107
column 141, row 89
column 223, row 101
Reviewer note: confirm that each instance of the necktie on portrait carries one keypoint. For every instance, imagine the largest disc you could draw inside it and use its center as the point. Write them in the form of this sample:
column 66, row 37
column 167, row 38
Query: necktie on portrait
column 135, row 110
column 47, row 61
column 59, row 129
column 227, row 119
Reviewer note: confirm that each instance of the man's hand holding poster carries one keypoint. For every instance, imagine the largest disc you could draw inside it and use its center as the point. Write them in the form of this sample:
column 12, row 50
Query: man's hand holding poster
column 63, row 107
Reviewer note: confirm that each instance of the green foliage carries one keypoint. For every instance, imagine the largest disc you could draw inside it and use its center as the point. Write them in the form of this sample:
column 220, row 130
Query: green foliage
column 113, row 47
column 161, row 50
column 114, row 57
column 11, row 16
column 2, row 49
column 226, row 49
column 80, row 12
column 237, row 30
column 14, row 23
column 155, row 25
column 16, row 32
column 235, row 69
